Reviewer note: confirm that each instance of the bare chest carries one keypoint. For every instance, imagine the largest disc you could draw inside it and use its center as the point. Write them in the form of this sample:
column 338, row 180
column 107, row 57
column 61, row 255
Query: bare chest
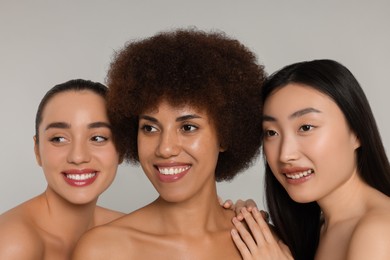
column 214, row 246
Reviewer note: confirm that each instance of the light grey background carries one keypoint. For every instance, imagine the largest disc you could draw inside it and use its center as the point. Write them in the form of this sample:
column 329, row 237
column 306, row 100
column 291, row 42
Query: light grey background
column 43, row 43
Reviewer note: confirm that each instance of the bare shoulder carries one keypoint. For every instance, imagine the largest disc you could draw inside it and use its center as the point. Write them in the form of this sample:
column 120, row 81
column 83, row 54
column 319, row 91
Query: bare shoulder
column 19, row 238
column 118, row 239
column 104, row 215
column 371, row 236
column 107, row 241
column 95, row 244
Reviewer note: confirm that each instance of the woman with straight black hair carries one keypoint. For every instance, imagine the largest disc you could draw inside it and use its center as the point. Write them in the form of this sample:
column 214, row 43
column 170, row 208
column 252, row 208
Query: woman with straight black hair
column 327, row 174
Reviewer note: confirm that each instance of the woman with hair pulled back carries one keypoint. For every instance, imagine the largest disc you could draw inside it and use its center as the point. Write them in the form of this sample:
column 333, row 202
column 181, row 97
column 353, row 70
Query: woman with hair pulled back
column 185, row 105
column 74, row 146
column 327, row 173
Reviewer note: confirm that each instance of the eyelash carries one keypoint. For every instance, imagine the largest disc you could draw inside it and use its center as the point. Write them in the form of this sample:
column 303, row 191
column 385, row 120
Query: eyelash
column 302, row 128
column 311, row 127
column 94, row 138
column 148, row 128
column 193, row 127
column 186, row 127
column 56, row 139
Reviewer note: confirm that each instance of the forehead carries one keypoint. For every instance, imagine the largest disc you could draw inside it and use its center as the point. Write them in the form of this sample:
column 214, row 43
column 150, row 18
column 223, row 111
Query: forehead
column 69, row 104
column 293, row 97
column 166, row 106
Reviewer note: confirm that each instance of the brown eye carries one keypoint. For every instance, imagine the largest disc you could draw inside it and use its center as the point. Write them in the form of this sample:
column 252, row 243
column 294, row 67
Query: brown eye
column 189, row 128
column 269, row 133
column 148, row 128
column 58, row 139
column 99, row 139
column 306, row 128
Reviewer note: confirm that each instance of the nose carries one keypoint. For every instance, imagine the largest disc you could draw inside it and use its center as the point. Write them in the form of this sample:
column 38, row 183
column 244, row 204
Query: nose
column 169, row 144
column 79, row 153
column 288, row 150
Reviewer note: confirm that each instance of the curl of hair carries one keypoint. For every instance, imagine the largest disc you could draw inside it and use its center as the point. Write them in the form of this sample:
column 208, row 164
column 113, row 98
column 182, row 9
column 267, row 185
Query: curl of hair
column 299, row 224
column 208, row 71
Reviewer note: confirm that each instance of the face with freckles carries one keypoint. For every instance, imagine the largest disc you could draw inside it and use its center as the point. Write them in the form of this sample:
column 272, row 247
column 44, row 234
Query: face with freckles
column 307, row 143
column 178, row 150
column 75, row 148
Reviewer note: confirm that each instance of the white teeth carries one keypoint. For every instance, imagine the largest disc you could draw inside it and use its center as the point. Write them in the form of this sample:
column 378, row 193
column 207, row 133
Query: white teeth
column 80, row 177
column 299, row 175
column 172, row 170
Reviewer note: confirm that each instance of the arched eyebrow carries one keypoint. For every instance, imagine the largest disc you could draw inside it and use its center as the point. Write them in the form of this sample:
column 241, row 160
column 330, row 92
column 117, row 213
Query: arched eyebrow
column 296, row 114
column 179, row 119
column 98, row 125
column 304, row 111
column 64, row 125
column 60, row 125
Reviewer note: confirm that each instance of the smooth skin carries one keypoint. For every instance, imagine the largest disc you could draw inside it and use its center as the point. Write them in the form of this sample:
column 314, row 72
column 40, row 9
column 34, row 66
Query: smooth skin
column 309, row 132
column 74, row 135
column 186, row 221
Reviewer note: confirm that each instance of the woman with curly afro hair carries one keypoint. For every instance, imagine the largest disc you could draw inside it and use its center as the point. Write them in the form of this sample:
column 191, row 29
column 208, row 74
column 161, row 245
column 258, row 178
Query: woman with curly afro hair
column 185, row 104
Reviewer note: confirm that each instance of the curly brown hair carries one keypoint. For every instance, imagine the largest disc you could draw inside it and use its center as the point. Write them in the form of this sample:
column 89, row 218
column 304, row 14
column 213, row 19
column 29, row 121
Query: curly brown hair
column 209, row 71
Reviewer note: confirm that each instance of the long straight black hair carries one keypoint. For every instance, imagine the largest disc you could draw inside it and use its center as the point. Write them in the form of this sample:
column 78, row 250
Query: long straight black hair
column 298, row 224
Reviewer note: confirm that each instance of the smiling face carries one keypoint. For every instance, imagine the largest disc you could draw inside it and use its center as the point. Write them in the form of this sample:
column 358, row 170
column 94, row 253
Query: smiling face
column 178, row 150
column 75, row 149
column 308, row 143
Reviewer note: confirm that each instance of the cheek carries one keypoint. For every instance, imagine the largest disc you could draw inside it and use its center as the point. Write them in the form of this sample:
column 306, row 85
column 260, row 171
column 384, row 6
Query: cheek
column 50, row 156
column 271, row 153
column 109, row 155
column 204, row 145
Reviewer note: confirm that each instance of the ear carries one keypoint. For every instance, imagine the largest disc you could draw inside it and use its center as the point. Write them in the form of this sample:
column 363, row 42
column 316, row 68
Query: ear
column 121, row 159
column 356, row 141
column 222, row 148
column 36, row 151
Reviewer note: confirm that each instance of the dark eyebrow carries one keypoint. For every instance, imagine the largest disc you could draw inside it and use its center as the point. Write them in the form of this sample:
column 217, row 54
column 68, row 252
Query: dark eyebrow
column 179, row 119
column 63, row 125
column 187, row 117
column 98, row 125
column 304, row 112
column 149, row 118
column 293, row 115
column 268, row 118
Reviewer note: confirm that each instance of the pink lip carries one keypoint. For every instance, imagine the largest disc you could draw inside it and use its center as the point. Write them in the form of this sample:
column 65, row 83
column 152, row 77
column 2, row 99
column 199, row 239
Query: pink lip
column 79, row 171
column 80, row 183
column 294, row 170
column 169, row 178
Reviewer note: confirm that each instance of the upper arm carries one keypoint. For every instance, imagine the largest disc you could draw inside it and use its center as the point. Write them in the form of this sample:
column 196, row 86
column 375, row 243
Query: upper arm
column 371, row 239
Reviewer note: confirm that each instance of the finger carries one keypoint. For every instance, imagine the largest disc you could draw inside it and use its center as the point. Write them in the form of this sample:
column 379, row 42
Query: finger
column 228, row 204
column 263, row 227
column 250, row 204
column 241, row 246
column 239, row 205
column 245, row 235
column 286, row 251
column 254, row 227
column 265, row 215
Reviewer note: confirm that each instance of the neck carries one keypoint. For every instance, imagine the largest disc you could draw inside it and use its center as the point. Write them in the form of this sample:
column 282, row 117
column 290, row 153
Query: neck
column 346, row 202
column 63, row 219
column 199, row 214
